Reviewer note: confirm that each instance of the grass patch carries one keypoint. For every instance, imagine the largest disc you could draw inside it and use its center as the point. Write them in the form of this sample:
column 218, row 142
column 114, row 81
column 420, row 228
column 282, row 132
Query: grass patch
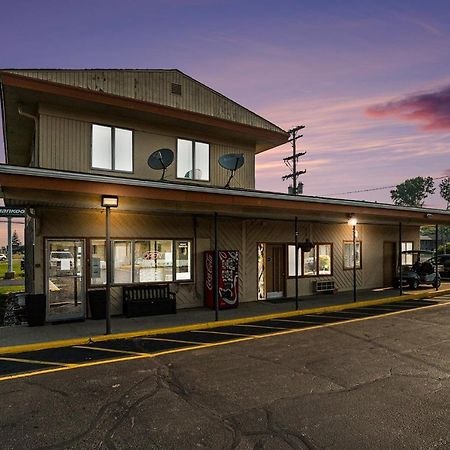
column 4, row 290
column 16, row 268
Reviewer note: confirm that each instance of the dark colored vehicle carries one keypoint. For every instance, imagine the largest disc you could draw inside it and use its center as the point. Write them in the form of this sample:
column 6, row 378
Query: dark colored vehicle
column 444, row 265
column 421, row 271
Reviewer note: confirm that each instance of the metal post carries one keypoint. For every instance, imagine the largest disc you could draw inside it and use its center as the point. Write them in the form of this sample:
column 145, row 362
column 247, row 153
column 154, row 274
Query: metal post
column 296, row 262
column 436, row 265
column 10, row 246
column 400, row 259
column 294, row 163
column 108, row 272
column 354, row 263
column 216, row 270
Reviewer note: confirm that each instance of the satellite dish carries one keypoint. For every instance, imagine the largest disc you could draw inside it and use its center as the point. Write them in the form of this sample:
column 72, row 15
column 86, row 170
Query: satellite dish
column 194, row 174
column 231, row 162
column 160, row 160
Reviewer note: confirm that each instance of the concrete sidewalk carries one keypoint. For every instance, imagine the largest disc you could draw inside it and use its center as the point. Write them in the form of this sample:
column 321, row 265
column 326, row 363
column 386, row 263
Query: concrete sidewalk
column 23, row 335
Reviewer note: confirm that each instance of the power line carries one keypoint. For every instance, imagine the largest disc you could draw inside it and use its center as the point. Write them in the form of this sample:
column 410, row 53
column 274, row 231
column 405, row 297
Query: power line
column 375, row 189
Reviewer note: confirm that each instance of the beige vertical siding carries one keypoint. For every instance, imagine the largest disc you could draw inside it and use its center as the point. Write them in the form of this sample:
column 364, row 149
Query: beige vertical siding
column 155, row 86
column 65, row 144
column 233, row 234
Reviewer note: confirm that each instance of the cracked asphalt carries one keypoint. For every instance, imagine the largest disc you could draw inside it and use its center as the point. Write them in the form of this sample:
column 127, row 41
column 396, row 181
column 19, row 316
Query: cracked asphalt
column 381, row 383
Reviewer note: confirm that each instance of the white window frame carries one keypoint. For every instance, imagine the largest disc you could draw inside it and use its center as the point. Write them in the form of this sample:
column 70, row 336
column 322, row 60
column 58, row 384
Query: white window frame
column 193, row 150
column 113, row 148
column 132, row 242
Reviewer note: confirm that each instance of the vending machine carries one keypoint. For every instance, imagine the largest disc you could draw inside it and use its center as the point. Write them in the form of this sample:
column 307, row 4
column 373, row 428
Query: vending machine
column 228, row 279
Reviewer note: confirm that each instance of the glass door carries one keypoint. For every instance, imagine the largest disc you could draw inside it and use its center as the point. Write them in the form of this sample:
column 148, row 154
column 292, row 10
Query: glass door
column 65, row 280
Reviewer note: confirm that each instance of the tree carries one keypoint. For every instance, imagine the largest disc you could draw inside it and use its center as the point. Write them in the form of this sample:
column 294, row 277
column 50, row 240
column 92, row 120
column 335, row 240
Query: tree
column 15, row 241
column 444, row 187
column 413, row 192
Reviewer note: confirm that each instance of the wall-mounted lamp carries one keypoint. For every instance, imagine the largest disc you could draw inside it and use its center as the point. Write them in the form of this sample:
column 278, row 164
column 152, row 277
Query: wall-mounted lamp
column 352, row 221
column 428, row 215
column 111, row 201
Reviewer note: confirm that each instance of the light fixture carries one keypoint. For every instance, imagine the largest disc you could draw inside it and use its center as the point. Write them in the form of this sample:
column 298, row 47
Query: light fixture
column 352, row 221
column 111, row 201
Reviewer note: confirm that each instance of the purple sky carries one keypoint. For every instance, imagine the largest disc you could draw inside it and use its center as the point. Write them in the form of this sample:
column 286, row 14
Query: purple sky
column 370, row 80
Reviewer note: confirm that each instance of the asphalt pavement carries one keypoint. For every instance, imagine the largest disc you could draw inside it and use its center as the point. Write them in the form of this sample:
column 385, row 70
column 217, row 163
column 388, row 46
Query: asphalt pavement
column 374, row 377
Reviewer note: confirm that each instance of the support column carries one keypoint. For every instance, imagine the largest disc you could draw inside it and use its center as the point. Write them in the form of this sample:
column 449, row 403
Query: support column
column 354, row 263
column 400, row 259
column 436, row 256
column 216, row 270
column 10, row 273
column 296, row 261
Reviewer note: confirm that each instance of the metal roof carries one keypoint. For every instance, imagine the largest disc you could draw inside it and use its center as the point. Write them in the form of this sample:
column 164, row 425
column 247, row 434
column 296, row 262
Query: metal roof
column 271, row 201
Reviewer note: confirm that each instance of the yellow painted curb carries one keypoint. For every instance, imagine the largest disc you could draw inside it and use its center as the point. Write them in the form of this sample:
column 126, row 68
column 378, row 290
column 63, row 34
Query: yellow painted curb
column 206, row 325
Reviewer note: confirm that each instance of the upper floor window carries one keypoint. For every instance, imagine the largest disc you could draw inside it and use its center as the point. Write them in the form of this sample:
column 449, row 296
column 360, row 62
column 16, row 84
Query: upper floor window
column 112, row 148
column 192, row 160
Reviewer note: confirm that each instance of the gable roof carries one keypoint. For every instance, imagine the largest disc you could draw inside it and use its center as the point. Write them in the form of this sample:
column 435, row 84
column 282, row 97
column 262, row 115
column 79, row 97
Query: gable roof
column 153, row 86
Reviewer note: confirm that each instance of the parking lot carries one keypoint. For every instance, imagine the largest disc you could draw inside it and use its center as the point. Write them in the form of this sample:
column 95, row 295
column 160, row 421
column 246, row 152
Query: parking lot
column 373, row 378
column 44, row 361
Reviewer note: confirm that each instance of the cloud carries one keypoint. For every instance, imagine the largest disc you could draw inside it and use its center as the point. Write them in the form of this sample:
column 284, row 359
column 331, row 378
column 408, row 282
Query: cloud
column 431, row 110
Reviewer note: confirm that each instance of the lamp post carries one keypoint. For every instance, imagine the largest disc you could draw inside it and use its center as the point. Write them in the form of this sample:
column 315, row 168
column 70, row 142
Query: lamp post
column 108, row 202
column 352, row 221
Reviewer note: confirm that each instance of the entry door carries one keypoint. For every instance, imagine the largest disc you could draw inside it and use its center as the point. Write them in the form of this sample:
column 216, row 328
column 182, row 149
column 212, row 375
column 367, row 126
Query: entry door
column 65, row 280
column 389, row 263
column 275, row 270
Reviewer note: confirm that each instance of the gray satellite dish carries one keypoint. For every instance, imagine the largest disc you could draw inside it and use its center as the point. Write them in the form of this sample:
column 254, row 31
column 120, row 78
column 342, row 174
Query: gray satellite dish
column 231, row 162
column 160, row 160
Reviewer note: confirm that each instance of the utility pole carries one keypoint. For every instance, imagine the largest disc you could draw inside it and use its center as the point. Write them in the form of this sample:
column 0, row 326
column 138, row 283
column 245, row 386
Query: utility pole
column 291, row 161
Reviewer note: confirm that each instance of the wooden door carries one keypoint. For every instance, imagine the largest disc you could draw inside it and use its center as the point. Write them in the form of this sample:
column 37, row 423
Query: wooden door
column 389, row 263
column 275, row 271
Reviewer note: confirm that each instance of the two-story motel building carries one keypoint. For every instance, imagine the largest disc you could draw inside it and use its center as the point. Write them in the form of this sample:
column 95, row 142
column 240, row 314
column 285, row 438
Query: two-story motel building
column 72, row 136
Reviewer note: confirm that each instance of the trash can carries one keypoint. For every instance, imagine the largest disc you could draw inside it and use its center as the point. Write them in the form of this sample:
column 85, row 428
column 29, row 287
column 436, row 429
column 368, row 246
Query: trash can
column 35, row 305
column 97, row 304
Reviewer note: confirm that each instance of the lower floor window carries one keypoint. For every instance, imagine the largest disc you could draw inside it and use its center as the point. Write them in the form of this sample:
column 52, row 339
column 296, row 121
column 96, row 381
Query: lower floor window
column 142, row 261
column 318, row 261
column 349, row 256
column 407, row 258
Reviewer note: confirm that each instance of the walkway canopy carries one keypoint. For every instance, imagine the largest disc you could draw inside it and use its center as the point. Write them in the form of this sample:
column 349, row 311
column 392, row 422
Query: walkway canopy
column 32, row 187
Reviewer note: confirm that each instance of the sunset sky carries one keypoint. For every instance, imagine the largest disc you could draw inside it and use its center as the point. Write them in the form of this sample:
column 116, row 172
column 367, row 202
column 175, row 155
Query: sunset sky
column 370, row 80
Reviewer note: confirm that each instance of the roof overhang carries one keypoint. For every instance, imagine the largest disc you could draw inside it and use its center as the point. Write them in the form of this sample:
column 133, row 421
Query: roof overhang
column 17, row 89
column 36, row 188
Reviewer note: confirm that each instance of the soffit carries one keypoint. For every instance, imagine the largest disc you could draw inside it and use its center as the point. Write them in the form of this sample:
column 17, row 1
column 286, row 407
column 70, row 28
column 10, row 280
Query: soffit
column 33, row 191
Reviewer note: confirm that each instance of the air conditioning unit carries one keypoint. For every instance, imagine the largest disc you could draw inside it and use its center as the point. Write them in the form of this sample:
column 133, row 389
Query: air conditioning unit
column 324, row 286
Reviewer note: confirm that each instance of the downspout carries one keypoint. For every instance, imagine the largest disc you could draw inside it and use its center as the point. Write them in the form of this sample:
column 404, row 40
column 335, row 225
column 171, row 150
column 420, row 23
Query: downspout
column 34, row 158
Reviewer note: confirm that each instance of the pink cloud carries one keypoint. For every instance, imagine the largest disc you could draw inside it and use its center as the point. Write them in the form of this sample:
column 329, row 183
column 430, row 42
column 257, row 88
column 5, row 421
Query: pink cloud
column 430, row 110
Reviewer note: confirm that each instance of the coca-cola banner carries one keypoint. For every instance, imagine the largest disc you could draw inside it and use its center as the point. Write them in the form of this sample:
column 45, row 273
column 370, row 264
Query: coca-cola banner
column 228, row 279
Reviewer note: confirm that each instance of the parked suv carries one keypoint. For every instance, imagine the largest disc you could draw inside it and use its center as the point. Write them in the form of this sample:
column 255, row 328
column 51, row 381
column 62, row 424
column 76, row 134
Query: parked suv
column 444, row 265
column 3, row 257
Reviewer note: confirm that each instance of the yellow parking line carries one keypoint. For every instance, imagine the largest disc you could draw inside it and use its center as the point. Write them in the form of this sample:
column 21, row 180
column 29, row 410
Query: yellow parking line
column 209, row 345
column 111, row 350
column 219, row 332
column 260, row 326
column 297, row 321
column 172, row 340
column 33, row 361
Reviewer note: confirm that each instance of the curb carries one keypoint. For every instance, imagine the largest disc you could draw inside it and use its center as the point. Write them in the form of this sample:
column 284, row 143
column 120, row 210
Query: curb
column 208, row 325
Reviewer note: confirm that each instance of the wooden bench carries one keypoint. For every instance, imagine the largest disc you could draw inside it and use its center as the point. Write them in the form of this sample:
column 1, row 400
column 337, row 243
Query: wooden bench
column 148, row 299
